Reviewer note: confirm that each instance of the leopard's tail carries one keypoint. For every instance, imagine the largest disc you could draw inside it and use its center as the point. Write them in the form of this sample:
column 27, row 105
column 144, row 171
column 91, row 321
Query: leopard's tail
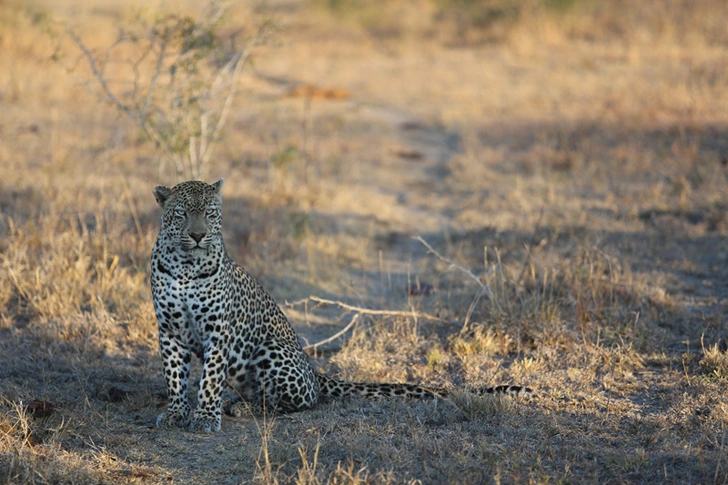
column 513, row 391
column 332, row 388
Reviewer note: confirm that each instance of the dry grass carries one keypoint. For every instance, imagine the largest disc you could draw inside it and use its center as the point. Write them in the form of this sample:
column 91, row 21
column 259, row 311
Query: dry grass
column 571, row 156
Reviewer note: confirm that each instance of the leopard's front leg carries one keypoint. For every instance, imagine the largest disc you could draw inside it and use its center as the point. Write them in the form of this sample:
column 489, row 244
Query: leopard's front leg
column 207, row 418
column 176, row 362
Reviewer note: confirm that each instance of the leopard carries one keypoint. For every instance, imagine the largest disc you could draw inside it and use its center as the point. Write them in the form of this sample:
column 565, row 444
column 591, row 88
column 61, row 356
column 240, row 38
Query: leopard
column 208, row 305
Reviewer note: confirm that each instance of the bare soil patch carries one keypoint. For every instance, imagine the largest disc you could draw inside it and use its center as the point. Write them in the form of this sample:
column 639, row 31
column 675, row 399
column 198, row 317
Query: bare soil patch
column 573, row 165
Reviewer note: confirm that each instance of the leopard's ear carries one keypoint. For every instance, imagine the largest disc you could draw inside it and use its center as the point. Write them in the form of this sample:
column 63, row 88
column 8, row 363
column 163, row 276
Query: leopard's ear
column 218, row 185
column 162, row 193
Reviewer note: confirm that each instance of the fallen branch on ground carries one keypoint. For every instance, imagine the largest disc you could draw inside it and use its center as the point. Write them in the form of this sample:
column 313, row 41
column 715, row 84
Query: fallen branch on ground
column 367, row 311
column 358, row 312
column 335, row 336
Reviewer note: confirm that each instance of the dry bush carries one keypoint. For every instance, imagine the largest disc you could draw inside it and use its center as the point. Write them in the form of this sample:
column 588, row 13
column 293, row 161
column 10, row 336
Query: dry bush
column 568, row 164
column 715, row 362
column 175, row 77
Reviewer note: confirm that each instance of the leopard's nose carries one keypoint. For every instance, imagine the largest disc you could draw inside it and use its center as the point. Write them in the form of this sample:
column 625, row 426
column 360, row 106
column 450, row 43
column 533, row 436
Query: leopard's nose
column 197, row 236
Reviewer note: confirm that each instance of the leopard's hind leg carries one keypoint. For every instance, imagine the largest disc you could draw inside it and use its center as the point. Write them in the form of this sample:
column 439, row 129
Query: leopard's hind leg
column 277, row 378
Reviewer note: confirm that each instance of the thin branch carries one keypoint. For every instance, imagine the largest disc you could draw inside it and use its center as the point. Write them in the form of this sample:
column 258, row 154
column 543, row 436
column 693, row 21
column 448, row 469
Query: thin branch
column 151, row 133
column 99, row 75
column 242, row 58
column 186, row 130
column 132, row 208
column 214, row 12
column 179, row 161
column 367, row 311
column 137, row 74
column 471, row 309
column 107, row 55
column 193, row 155
column 155, row 78
column 291, row 304
column 241, row 61
column 335, row 336
column 531, row 245
column 483, row 286
column 204, row 137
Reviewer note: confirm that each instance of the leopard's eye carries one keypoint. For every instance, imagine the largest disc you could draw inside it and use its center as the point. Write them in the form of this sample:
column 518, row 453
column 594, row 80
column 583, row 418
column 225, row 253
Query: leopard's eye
column 180, row 212
column 210, row 212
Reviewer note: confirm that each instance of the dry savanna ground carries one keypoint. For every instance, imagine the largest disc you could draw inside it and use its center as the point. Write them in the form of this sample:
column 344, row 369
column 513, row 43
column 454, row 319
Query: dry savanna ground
column 565, row 162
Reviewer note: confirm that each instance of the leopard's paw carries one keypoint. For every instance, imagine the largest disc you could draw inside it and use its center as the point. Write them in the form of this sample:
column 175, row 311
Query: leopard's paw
column 173, row 419
column 205, row 423
column 241, row 409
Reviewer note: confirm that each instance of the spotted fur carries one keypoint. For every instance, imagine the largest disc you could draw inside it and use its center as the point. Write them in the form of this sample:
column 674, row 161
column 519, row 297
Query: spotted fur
column 208, row 305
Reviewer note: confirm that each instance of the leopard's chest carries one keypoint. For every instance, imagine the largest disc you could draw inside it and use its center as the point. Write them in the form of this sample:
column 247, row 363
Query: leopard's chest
column 189, row 298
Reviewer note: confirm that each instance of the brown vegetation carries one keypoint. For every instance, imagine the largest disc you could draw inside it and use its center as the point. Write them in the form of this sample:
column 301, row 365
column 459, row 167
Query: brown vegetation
column 564, row 160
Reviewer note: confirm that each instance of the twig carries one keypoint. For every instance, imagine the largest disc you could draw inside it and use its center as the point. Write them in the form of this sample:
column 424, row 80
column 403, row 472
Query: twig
column 153, row 135
column 155, row 78
column 367, row 311
column 483, row 286
column 335, row 336
column 99, row 75
column 471, row 308
column 720, row 454
column 205, row 152
column 135, row 69
column 118, row 41
column 531, row 245
column 242, row 58
column 132, row 208
column 188, row 128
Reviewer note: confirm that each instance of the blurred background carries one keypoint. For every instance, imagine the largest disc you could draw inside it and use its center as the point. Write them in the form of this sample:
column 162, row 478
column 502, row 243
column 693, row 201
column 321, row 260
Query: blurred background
column 566, row 159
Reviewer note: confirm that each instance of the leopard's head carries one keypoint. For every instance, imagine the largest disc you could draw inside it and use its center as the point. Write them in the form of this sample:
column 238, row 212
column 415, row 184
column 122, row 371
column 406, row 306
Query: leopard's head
column 191, row 214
